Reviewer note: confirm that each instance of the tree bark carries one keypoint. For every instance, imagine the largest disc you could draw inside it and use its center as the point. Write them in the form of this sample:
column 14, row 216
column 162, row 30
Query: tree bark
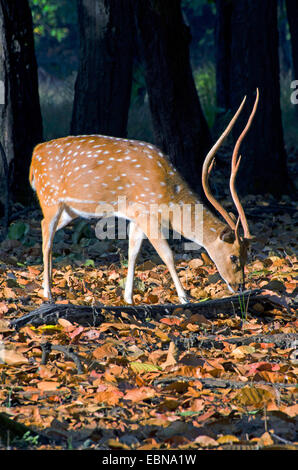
column 223, row 53
column 292, row 12
column 180, row 128
column 103, row 86
column 20, row 115
column 285, row 50
column 252, row 41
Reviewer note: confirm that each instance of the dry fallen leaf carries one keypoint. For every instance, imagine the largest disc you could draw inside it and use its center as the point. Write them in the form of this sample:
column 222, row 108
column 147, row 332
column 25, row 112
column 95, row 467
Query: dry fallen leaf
column 227, row 439
column 242, row 351
column 265, row 440
column 136, row 383
column 105, row 351
column 47, row 385
column 206, row 441
column 139, row 394
column 12, row 357
column 110, row 397
column 3, row 308
column 254, row 396
column 172, row 356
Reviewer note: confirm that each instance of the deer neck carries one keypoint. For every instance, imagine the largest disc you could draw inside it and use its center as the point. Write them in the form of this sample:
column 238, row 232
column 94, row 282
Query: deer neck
column 195, row 221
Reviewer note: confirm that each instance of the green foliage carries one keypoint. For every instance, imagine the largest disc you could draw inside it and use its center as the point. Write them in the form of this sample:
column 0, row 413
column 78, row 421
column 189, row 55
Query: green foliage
column 56, row 100
column 205, row 80
column 89, row 262
column 28, row 440
column 138, row 84
column 53, row 18
column 200, row 16
column 196, row 6
column 139, row 119
column 17, row 231
column 82, row 230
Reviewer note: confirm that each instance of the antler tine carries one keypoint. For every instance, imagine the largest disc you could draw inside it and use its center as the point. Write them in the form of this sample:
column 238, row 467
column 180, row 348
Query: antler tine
column 208, row 164
column 235, row 167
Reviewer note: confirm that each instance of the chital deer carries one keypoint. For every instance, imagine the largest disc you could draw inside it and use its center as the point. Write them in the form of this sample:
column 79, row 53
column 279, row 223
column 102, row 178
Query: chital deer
column 84, row 175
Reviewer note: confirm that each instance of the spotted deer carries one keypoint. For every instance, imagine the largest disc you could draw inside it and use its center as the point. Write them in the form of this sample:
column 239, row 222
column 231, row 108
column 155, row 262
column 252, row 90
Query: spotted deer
column 86, row 175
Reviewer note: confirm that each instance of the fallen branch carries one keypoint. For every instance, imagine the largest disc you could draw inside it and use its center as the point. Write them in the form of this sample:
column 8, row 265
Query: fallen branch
column 68, row 352
column 49, row 313
column 218, row 383
column 281, row 340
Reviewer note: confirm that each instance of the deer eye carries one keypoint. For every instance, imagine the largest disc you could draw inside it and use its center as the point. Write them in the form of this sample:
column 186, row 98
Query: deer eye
column 234, row 259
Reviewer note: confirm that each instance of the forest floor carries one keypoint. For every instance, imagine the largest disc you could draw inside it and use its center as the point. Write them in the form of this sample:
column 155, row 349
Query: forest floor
column 148, row 384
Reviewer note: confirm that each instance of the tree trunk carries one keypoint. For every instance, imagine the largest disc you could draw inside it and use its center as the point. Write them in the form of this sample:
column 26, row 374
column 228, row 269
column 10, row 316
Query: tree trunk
column 180, row 128
column 20, row 116
column 292, row 12
column 285, row 52
column 103, row 86
column 253, row 50
column 223, row 54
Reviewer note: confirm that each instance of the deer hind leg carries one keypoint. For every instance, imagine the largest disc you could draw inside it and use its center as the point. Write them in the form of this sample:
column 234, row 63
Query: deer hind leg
column 65, row 218
column 49, row 226
column 136, row 237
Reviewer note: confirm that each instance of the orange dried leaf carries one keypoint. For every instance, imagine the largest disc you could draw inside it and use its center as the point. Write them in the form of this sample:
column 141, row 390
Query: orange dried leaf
column 106, row 350
column 291, row 411
column 171, row 320
column 242, row 351
column 172, row 356
column 266, row 440
column 139, row 394
column 195, row 263
column 206, row 441
column 5, row 326
column 110, row 397
column 47, row 385
column 65, row 323
column 3, row 308
column 45, row 372
column 12, row 357
column 198, row 405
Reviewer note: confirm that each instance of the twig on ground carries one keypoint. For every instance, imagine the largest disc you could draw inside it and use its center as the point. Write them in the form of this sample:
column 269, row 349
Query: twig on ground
column 68, row 352
column 218, row 383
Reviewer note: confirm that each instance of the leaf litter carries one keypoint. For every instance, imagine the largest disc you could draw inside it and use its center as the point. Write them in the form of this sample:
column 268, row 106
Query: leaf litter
column 147, row 384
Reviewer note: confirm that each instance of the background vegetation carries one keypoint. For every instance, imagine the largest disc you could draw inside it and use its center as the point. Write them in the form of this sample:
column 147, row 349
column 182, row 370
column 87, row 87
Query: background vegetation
column 57, row 48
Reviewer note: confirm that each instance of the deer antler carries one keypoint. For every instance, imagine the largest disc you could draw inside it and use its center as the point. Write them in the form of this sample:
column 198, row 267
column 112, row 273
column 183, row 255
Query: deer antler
column 207, row 166
column 234, row 170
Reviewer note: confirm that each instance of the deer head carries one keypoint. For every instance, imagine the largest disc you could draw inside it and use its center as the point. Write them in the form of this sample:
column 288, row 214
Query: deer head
column 229, row 247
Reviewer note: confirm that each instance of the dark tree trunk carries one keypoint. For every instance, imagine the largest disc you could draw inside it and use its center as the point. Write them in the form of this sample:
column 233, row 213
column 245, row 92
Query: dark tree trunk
column 103, row 86
column 254, row 62
column 20, row 116
column 285, row 57
column 179, row 125
column 223, row 53
column 292, row 12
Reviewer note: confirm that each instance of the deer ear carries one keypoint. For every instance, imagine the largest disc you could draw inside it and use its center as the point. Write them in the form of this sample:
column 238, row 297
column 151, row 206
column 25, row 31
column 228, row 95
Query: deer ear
column 227, row 235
